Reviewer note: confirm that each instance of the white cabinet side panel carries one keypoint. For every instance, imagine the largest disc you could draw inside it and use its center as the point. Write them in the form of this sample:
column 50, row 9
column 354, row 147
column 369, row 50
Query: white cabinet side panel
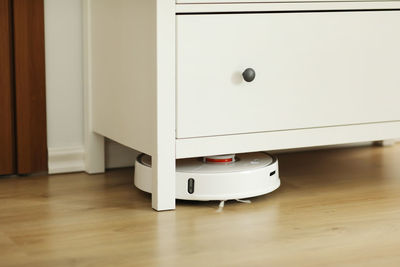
column 123, row 49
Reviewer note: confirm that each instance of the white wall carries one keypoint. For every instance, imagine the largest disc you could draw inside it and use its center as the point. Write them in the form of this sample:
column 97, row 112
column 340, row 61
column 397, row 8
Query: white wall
column 64, row 82
column 63, row 31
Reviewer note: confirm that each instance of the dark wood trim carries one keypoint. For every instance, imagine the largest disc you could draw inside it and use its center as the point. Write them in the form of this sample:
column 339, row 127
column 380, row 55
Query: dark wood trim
column 7, row 144
column 30, row 90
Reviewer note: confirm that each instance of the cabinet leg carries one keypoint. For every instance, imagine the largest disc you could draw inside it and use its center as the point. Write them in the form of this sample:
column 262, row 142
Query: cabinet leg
column 163, row 191
column 383, row 143
column 94, row 153
column 94, row 143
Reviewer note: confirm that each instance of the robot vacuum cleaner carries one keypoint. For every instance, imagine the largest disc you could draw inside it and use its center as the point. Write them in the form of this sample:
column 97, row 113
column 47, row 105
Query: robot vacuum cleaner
column 222, row 178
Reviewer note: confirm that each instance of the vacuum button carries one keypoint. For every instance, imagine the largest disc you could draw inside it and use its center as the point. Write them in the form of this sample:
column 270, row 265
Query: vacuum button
column 191, row 186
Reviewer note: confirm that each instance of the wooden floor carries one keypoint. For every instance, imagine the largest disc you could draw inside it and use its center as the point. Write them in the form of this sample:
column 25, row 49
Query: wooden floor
column 335, row 208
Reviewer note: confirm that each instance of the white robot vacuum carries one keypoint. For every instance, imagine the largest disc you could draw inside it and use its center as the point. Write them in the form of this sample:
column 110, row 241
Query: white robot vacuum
column 222, row 178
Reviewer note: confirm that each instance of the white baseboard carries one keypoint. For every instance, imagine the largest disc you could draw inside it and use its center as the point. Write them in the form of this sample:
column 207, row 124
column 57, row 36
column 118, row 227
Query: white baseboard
column 67, row 159
column 72, row 159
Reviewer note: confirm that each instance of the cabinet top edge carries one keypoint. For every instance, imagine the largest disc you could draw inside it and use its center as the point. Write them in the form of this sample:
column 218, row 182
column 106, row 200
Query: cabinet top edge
column 273, row 1
column 218, row 6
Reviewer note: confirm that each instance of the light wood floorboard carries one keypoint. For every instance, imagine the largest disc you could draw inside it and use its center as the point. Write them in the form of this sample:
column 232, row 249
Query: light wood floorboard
column 336, row 207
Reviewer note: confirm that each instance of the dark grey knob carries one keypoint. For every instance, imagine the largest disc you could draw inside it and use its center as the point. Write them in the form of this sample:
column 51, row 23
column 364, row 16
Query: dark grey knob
column 249, row 75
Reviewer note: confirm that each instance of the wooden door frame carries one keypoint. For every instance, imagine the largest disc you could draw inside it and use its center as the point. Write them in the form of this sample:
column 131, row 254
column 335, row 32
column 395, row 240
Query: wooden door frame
column 7, row 133
column 30, row 86
column 26, row 93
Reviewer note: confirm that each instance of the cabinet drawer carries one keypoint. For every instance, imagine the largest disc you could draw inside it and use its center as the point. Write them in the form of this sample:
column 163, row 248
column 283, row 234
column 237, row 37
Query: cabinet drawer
column 313, row 69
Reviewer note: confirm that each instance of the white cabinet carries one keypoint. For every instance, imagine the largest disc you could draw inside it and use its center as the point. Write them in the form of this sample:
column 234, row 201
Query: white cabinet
column 165, row 77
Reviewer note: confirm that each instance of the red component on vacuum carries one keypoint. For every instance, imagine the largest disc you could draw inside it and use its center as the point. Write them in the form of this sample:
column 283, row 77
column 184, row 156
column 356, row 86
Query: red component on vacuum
column 220, row 159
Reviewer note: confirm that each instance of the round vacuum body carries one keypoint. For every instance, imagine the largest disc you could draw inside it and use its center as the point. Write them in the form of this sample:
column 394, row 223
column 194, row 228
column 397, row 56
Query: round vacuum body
column 217, row 178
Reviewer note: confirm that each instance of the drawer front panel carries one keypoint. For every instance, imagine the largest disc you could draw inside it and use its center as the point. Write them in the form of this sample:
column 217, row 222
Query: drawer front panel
column 312, row 70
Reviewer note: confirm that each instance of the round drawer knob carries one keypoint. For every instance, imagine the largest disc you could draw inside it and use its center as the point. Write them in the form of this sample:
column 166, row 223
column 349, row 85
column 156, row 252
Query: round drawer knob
column 249, row 75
